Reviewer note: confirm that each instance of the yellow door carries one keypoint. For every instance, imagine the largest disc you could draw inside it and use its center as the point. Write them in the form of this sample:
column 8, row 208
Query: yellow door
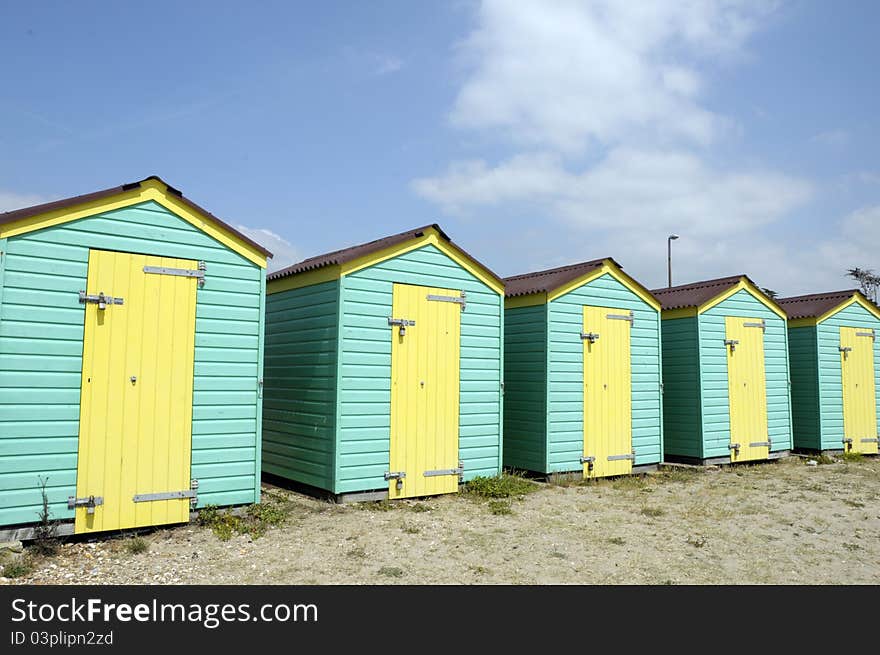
column 859, row 392
column 747, row 389
column 607, row 392
column 135, row 428
column 425, row 326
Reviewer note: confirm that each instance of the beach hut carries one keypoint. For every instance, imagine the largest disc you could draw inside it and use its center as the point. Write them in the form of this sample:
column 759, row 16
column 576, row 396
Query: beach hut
column 582, row 372
column 834, row 341
column 725, row 373
column 131, row 324
column 383, row 369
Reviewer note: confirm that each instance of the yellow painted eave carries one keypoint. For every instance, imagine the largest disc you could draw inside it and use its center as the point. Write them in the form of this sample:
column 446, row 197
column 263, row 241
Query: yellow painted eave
column 148, row 190
column 608, row 268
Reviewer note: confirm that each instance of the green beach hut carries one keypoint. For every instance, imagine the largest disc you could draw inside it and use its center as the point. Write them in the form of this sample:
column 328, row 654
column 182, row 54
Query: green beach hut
column 582, row 372
column 383, row 369
column 725, row 373
column 835, row 371
column 131, row 325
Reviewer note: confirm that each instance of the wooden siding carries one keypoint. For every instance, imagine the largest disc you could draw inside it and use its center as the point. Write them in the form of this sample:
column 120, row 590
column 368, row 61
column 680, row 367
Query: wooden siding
column 803, row 358
column 299, row 395
column 565, row 424
column 713, row 373
column 41, row 334
column 364, row 381
column 525, row 388
column 830, row 382
column 682, row 427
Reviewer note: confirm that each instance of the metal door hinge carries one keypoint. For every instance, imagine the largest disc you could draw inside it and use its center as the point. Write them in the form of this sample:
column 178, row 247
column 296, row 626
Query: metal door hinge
column 100, row 300
column 181, row 272
column 615, row 458
column 89, row 503
column 869, row 333
column 592, row 337
column 732, row 343
column 190, row 493
column 870, row 440
column 758, row 444
column 403, row 323
column 439, row 472
column 461, row 300
column 621, row 317
column 760, row 324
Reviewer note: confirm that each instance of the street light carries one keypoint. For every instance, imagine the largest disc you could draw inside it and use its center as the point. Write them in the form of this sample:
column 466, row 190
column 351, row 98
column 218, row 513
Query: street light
column 669, row 240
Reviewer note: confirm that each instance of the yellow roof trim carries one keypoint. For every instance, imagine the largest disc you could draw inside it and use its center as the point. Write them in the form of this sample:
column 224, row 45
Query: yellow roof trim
column 681, row 312
column 855, row 299
column 307, row 279
column 529, row 300
column 147, row 190
column 608, row 267
column 753, row 290
column 801, row 322
column 431, row 237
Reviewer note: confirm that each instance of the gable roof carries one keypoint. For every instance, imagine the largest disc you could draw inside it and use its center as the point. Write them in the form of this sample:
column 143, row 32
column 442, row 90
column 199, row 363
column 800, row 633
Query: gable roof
column 818, row 304
column 351, row 253
column 549, row 280
column 696, row 293
column 65, row 203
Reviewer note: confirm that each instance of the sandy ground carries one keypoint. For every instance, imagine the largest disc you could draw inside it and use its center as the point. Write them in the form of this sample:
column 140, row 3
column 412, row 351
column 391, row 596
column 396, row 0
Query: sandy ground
column 778, row 523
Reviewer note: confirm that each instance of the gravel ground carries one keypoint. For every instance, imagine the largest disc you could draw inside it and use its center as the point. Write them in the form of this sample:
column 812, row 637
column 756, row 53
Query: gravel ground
column 774, row 523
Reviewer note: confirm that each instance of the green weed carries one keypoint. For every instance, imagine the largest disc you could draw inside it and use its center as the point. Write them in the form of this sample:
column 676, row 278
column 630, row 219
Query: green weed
column 391, row 572
column 137, row 545
column 500, row 507
column 17, row 568
column 500, row 486
column 653, row 512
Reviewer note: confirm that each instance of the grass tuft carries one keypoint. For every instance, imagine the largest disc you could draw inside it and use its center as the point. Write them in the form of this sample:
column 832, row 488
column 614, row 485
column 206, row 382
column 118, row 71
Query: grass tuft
column 391, row 572
column 653, row 512
column 17, row 568
column 500, row 486
column 500, row 507
column 254, row 522
column 137, row 545
column 852, row 457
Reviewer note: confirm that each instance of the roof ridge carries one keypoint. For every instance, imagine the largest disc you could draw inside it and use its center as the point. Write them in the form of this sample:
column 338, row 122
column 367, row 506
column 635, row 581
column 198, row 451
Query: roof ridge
column 817, row 296
column 558, row 269
column 701, row 284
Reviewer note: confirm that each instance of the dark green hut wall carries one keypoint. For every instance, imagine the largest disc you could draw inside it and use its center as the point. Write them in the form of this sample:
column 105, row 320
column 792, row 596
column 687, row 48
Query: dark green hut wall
column 525, row 388
column 299, row 390
column 804, row 356
column 681, row 388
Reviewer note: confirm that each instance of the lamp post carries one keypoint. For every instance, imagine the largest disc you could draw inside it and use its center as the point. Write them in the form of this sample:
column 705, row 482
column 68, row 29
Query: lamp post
column 669, row 240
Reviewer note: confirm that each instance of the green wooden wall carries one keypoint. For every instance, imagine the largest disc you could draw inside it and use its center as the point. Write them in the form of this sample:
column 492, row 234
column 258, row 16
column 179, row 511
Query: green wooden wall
column 41, row 335
column 682, row 424
column 713, row 374
column 299, row 405
column 525, row 388
column 364, row 375
column 803, row 358
column 830, row 382
column 565, row 375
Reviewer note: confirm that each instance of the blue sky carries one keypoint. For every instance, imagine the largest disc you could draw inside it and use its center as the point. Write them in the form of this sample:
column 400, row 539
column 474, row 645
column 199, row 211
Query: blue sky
column 536, row 133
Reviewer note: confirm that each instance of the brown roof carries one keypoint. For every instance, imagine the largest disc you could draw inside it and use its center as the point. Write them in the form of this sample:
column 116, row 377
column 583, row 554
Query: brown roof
column 696, row 293
column 353, row 252
column 549, row 280
column 815, row 304
column 17, row 214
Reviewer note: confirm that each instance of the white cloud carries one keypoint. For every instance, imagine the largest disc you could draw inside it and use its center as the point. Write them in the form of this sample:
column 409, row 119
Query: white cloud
column 283, row 252
column 629, row 189
column 567, row 73
column 10, row 200
column 601, row 103
column 386, row 64
column 833, row 138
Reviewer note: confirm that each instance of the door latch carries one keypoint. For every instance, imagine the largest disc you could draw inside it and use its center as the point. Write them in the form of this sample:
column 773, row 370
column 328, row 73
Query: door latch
column 590, row 461
column 732, row 343
column 100, row 300
column 592, row 337
column 89, row 503
column 734, row 447
column 402, row 322
column 396, row 475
